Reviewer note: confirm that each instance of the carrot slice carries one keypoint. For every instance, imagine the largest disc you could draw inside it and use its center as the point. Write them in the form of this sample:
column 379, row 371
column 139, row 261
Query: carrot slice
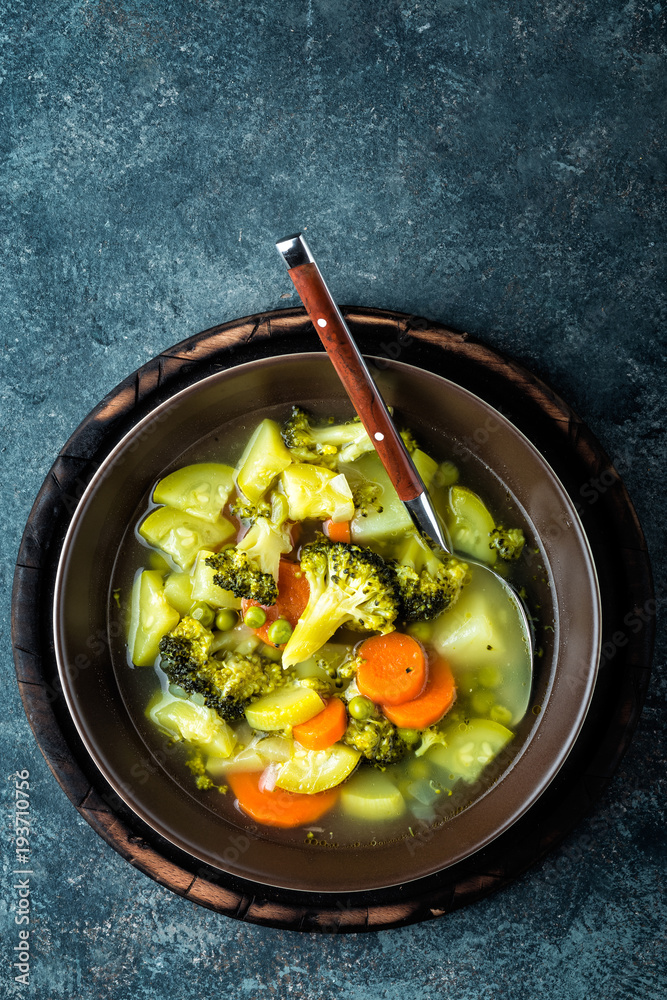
column 393, row 668
column 339, row 532
column 293, row 594
column 435, row 701
column 324, row 729
column 278, row 807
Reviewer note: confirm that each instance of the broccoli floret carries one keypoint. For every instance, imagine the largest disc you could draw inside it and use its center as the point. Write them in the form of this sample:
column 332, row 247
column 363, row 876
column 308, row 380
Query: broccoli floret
column 377, row 739
column 427, row 582
column 349, row 585
column 509, row 542
column 347, row 670
column 236, row 680
column 366, row 495
column 269, row 537
column 226, row 685
column 429, row 737
column 409, row 441
column 189, row 643
column 196, row 763
column 243, row 508
column 326, row 444
column 234, row 571
column 250, row 569
column 340, row 671
column 323, row 686
column 264, row 544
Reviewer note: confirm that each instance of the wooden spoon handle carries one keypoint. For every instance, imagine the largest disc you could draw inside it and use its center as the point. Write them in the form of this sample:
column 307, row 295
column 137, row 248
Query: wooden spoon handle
column 351, row 369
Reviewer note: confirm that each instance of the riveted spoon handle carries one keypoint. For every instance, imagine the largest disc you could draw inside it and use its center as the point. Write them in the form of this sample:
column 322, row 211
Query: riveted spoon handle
column 350, row 366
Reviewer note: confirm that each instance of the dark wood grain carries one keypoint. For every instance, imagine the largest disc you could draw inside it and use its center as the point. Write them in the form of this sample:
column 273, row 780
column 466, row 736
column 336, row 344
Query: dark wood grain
column 567, row 444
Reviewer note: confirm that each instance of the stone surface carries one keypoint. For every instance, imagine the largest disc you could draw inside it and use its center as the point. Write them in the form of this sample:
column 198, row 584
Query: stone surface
column 498, row 167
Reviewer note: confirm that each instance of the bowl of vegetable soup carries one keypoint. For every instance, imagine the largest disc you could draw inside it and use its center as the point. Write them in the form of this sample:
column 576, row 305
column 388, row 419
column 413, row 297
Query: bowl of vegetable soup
column 297, row 690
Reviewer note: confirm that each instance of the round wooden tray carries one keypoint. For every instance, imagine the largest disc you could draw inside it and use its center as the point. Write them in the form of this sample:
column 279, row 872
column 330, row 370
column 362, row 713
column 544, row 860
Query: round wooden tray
column 616, row 541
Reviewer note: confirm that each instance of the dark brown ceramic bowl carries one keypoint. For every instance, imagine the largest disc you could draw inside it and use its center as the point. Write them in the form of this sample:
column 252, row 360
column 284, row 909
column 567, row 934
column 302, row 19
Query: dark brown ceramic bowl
column 559, row 576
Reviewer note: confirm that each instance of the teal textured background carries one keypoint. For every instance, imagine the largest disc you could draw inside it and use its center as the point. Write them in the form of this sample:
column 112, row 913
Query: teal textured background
column 496, row 166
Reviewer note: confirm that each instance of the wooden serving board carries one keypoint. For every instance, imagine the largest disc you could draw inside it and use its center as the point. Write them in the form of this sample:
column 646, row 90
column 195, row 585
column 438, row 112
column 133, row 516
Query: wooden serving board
column 576, row 457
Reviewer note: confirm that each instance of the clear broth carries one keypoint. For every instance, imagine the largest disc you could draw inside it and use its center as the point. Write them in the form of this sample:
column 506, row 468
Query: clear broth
column 414, row 776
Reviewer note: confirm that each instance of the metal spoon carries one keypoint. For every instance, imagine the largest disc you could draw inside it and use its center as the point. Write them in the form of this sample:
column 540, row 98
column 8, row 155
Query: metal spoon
column 371, row 409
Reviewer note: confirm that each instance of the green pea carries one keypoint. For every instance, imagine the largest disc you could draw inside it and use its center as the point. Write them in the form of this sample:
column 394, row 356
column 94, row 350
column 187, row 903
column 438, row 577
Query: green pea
column 409, row 736
column 360, row 707
column 254, row 617
column 501, row 714
column 482, row 701
column 280, row 631
column 490, row 677
column 226, row 620
column 203, row 613
column 418, row 768
column 422, row 631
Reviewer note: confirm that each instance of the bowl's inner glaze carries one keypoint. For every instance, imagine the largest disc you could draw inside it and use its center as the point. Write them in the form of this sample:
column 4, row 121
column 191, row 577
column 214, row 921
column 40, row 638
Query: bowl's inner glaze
column 104, row 695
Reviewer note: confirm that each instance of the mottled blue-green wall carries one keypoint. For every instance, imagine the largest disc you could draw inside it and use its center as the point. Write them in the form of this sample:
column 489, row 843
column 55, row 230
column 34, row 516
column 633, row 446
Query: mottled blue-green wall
column 497, row 166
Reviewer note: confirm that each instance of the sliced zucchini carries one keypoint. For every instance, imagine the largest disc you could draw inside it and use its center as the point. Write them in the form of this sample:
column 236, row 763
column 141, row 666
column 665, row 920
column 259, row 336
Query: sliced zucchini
column 285, row 707
column 423, row 791
column 469, row 748
column 204, row 588
column 246, row 759
column 387, row 518
column 201, row 490
column 275, row 749
column 371, row 795
column 425, row 466
column 264, row 458
column 312, row 771
column 315, row 492
column 196, row 724
column 470, row 525
column 329, row 657
column 182, row 536
column 151, row 617
column 178, row 591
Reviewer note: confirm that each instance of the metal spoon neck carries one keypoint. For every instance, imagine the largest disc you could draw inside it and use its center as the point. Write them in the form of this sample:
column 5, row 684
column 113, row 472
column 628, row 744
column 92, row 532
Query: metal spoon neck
column 426, row 520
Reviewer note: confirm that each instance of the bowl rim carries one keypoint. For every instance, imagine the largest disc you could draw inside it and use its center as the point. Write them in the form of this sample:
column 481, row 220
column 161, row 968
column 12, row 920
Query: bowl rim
column 315, row 357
